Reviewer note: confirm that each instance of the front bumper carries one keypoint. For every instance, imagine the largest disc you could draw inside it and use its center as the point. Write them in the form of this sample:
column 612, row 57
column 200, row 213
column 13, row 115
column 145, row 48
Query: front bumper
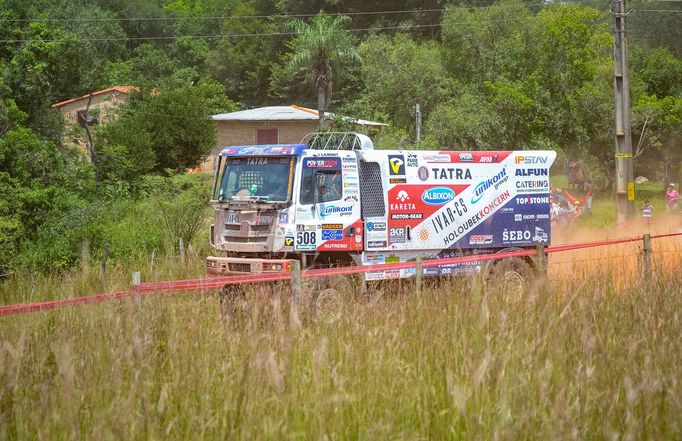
column 234, row 266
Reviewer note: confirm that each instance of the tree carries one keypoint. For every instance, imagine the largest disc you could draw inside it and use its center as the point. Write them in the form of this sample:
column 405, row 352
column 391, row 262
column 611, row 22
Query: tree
column 169, row 128
column 321, row 47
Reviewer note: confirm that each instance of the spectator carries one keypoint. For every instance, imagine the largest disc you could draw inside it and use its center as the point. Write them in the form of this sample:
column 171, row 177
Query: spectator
column 672, row 198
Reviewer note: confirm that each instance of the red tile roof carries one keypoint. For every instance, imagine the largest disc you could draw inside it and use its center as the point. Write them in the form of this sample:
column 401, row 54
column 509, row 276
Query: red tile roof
column 121, row 89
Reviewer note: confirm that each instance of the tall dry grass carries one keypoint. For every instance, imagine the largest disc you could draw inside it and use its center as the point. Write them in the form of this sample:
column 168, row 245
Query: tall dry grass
column 578, row 358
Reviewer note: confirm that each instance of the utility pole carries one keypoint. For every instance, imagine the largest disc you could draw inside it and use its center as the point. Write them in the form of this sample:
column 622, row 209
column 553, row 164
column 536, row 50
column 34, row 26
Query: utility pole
column 625, row 185
column 418, row 115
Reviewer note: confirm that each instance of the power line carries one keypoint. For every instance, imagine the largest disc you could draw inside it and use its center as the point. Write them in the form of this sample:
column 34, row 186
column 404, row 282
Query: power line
column 257, row 34
column 251, row 17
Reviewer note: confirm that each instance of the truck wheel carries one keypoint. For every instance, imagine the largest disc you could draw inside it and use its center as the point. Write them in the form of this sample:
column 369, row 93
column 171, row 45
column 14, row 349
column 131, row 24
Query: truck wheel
column 511, row 277
column 329, row 305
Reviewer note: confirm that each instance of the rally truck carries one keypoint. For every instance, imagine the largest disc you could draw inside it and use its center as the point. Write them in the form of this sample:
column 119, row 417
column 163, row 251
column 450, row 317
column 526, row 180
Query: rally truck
column 335, row 200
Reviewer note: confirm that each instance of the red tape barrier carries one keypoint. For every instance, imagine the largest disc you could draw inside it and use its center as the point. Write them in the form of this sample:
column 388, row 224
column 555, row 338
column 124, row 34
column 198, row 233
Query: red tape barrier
column 170, row 287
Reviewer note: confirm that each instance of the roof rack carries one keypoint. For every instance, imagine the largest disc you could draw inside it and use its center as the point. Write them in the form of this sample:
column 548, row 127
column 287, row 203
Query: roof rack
column 337, row 141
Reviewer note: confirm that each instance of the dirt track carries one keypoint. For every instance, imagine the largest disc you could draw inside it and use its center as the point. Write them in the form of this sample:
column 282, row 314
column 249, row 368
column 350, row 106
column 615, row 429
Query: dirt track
column 625, row 259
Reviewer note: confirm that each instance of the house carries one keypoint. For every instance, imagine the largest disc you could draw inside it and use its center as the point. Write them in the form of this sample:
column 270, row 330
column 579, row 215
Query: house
column 269, row 125
column 102, row 105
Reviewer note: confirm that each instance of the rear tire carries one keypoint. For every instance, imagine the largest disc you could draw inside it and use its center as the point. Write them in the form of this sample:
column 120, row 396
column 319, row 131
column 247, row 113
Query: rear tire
column 511, row 278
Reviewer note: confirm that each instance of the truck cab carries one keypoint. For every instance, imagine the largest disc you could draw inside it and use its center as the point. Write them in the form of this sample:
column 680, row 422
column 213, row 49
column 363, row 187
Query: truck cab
column 278, row 202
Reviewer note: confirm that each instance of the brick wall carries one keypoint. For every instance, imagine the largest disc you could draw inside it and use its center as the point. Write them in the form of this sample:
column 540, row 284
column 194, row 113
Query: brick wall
column 231, row 133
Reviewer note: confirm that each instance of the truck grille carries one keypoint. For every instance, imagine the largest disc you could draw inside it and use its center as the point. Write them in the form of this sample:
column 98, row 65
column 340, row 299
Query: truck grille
column 240, row 267
column 242, row 239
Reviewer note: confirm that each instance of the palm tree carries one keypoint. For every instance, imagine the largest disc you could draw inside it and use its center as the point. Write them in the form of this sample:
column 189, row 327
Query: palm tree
column 322, row 47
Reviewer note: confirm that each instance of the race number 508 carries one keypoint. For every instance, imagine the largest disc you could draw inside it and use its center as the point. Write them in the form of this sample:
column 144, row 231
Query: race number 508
column 306, row 237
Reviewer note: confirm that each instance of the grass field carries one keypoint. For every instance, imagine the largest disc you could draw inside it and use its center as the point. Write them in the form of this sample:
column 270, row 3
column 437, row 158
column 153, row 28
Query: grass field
column 592, row 353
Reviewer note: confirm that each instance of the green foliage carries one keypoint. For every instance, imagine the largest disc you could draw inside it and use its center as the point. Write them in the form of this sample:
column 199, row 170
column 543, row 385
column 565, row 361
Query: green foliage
column 321, row 48
column 244, row 65
column 162, row 130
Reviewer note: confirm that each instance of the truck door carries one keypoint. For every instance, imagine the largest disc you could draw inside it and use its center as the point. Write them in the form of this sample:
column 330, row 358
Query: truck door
column 373, row 202
column 328, row 206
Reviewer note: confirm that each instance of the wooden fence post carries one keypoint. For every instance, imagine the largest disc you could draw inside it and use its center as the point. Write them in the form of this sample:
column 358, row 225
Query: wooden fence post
column 103, row 268
column 646, row 256
column 418, row 275
column 137, row 279
column 296, row 281
column 542, row 260
column 182, row 251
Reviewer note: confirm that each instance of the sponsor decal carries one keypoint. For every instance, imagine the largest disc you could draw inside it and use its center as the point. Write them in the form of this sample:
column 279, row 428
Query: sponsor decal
column 397, row 235
column 332, row 226
column 407, row 216
column 437, row 195
column 336, row 246
column 488, row 159
column 376, row 226
column 539, row 186
column 466, row 157
column 423, row 173
column 376, row 244
column 450, row 173
column 402, row 196
column 411, row 160
column 530, row 159
column 518, row 217
column 392, row 274
column 408, row 272
column 392, row 259
column 430, row 271
column 449, row 215
column 445, row 218
column 332, row 234
column 530, row 200
column 397, row 180
column 396, row 164
column 333, row 163
column 335, row 209
column 284, row 217
column 256, row 161
column 482, row 186
column 539, row 235
column 374, row 259
column 289, row 241
column 507, row 210
column 437, row 157
column 351, row 198
column 424, row 235
column 532, row 172
column 480, row 239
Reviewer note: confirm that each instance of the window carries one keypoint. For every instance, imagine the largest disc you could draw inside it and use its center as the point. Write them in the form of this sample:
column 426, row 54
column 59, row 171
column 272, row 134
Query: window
column 267, row 178
column 320, row 186
column 267, row 136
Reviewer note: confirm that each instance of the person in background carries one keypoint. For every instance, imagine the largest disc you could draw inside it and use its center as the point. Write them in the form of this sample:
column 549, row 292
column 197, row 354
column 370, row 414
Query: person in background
column 672, row 198
column 647, row 211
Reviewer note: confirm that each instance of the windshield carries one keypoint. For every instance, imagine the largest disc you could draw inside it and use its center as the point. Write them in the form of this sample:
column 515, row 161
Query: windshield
column 261, row 178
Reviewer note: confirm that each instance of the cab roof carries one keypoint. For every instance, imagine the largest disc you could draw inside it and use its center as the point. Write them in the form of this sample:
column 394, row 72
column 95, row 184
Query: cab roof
column 264, row 150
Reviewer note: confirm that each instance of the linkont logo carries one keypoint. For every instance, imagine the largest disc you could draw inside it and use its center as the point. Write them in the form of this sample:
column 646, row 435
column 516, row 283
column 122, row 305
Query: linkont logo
column 484, row 185
column 333, row 209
